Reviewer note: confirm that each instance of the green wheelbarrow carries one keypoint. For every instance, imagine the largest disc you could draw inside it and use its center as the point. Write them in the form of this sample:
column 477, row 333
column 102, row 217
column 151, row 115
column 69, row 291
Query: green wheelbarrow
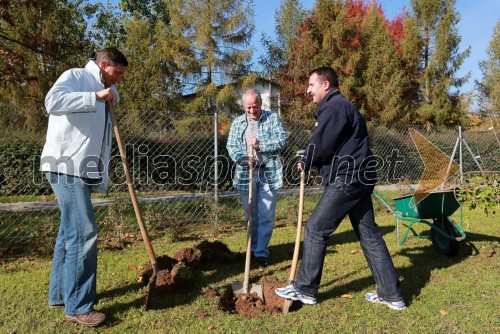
column 439, row 205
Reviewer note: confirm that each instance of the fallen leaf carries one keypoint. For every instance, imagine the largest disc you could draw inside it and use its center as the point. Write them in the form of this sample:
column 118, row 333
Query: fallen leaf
column 443, row 312
column 354, row 251
column 211, row 327
column 134, row 268
column 348, row 296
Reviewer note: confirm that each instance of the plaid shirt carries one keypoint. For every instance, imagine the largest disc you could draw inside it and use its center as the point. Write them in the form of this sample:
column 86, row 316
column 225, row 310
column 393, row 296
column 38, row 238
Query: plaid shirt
column 272, row 138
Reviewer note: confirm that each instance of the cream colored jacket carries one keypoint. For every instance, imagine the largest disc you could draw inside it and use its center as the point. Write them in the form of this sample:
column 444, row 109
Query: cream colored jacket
column 79, row 132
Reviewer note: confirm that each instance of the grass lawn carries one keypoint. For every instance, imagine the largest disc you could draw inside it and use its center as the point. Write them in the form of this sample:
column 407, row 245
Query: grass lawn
column 444, row 295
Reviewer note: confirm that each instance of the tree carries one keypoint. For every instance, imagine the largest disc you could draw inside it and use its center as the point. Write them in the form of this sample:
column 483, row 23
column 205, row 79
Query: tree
column 288, row 18
column 365, row 49
column 211, row 42
column 489, row 87
column 151, row 82
column 38, row 41
column 384, row 76
column 440, row 60
column 152, row 11
column 107, row 28
column 305, row 53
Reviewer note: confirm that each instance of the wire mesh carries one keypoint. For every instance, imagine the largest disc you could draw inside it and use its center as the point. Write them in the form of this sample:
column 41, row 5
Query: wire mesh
column 171, row 157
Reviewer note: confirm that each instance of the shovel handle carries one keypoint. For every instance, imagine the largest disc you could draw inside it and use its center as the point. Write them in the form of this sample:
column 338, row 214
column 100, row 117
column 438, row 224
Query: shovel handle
column 296, row 250
column 249, row 222
column 131, row 190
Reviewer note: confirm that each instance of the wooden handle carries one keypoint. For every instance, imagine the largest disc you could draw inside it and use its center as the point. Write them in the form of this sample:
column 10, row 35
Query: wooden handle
column 296, row 250
column 249, row 223
column 131, row 190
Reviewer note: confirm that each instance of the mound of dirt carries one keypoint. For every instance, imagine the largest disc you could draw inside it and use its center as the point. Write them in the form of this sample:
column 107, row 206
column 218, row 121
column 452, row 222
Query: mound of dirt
column 251, row 306
column 164, row 263
column 172, row 276
column 205, row 253
column 176, row 274
column 180, row 278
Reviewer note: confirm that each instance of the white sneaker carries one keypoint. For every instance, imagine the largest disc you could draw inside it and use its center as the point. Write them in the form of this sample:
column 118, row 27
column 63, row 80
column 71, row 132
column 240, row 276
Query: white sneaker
column 372, row 297
column 289, row 292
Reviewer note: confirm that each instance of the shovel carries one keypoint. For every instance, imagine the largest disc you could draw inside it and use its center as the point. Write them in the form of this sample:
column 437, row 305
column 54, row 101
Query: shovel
column 133, row 197
column 246, row 288
column 295, row 259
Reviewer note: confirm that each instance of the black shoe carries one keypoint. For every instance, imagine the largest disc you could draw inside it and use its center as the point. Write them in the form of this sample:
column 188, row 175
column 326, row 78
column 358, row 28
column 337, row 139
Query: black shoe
column 263, row 261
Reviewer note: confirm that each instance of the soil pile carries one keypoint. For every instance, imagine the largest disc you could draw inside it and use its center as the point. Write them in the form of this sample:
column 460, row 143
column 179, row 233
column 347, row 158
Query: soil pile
column 176, row 274
column 205, row 253
column 251, row 306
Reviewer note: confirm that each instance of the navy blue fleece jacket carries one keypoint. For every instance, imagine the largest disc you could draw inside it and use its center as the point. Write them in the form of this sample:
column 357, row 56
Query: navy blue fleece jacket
column 339, row 146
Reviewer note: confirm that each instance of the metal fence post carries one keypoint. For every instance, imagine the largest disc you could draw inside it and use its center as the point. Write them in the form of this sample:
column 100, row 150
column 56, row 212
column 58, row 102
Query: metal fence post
column 460, row 154
column 216, row 168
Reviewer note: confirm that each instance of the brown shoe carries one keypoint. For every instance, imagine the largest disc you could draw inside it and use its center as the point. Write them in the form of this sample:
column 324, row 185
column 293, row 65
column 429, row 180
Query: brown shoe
column 90, row 319
column 56, row 307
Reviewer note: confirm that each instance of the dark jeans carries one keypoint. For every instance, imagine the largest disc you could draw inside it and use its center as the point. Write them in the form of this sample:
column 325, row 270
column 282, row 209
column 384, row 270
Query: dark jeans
column 337, row 201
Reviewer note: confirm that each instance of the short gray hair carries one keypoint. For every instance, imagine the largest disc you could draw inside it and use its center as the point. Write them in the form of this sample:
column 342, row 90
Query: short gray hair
column 251, row 91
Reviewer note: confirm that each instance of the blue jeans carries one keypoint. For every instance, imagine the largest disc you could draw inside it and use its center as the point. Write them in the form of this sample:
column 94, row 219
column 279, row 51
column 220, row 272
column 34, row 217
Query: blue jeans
column 264, row 206
column 74, row 267
column 337, row 201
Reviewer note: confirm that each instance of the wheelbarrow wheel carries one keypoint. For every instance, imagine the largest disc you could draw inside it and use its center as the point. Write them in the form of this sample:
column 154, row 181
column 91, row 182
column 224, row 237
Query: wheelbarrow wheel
column 442, row 244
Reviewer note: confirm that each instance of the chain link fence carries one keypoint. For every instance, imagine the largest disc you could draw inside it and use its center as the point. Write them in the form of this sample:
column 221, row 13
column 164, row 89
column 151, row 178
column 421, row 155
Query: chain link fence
column 171, row 157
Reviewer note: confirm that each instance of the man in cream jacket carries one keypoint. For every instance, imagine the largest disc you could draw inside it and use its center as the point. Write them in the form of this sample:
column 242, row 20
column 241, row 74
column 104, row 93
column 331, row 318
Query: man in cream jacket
column 75, row 158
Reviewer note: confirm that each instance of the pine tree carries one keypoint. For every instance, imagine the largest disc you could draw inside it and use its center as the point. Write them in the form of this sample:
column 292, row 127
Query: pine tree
column 287, row 17
column 151, row 83
column 383, row 76
column 489, row 87
column 440, row 60
column 279, row 51
column 306, row 53
column 211, row 39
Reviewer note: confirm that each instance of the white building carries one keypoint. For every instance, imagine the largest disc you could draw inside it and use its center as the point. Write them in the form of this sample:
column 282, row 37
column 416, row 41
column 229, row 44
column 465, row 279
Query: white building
column 270, row 94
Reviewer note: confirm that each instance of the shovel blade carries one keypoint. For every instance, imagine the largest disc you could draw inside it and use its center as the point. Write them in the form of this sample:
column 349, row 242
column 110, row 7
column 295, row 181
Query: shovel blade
column 286, row 305
column 151, row 288
column 252, row 288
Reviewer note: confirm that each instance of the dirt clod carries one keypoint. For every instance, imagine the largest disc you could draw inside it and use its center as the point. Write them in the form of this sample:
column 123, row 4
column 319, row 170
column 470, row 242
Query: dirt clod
column 201, row 313
column 211, row 293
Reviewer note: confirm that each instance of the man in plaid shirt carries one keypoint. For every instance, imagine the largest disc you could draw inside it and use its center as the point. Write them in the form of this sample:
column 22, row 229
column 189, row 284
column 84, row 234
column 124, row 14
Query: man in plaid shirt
column 264, row 131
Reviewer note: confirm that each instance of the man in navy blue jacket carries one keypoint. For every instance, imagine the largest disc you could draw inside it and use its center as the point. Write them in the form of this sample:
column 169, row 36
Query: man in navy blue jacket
column 339, row 148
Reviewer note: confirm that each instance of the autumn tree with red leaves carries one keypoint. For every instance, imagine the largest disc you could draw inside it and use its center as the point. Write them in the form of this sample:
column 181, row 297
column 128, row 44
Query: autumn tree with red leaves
column 379, row 61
